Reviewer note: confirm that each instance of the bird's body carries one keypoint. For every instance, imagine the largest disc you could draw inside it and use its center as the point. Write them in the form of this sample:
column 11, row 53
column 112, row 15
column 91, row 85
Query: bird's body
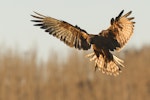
column 113, row 38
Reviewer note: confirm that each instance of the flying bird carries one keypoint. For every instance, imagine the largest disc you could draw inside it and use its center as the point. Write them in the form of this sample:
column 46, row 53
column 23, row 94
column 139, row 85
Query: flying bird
column 112, row 39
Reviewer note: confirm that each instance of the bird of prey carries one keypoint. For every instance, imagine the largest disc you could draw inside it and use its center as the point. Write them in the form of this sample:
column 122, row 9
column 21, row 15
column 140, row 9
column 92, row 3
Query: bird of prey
column 111, row 39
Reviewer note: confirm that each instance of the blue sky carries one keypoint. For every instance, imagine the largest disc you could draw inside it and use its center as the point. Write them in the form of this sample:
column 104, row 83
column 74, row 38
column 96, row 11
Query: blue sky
column 91, row 15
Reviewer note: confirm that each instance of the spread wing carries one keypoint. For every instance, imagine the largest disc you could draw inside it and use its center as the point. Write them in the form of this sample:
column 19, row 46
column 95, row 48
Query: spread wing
column 120, row 30
column 114, row 38
column 73, row 36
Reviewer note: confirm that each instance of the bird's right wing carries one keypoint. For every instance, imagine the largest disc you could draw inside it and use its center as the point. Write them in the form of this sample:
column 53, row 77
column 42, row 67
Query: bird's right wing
column 73, row 36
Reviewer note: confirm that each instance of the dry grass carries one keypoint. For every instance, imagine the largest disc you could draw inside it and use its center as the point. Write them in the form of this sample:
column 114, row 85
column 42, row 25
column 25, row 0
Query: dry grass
column 22, row 78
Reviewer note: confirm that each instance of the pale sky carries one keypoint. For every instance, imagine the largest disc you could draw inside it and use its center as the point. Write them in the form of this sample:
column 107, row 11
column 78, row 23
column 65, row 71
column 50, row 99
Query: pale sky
column 91, row 15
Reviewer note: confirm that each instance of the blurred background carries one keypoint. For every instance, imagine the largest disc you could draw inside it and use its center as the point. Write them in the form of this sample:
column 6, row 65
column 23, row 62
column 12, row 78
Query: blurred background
column 37, row 66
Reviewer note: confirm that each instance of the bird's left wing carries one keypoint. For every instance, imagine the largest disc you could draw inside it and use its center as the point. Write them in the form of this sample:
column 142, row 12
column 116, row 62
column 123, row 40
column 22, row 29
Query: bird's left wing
column 71, row 35
column 120, row 30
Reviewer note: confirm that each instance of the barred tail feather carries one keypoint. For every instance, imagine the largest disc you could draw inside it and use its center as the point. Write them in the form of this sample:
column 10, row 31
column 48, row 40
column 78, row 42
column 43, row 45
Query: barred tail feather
column 112, row 67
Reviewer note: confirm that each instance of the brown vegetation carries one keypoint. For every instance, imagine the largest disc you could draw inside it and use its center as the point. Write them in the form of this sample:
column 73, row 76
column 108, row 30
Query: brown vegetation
column 22, row 78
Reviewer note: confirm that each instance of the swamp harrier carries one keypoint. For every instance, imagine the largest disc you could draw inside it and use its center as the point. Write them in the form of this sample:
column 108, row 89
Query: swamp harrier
column 113, row 38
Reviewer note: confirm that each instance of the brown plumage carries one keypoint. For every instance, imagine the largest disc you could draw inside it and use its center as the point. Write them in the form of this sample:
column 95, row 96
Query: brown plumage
column 113, row 38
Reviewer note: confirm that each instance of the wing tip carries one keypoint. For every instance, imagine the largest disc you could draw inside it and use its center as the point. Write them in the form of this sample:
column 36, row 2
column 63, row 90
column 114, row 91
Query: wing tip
column 38, row 16
column 120, row 14
column 127, row 14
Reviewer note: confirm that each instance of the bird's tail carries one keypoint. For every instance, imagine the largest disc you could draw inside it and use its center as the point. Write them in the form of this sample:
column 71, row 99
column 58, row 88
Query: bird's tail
column 110, row 67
